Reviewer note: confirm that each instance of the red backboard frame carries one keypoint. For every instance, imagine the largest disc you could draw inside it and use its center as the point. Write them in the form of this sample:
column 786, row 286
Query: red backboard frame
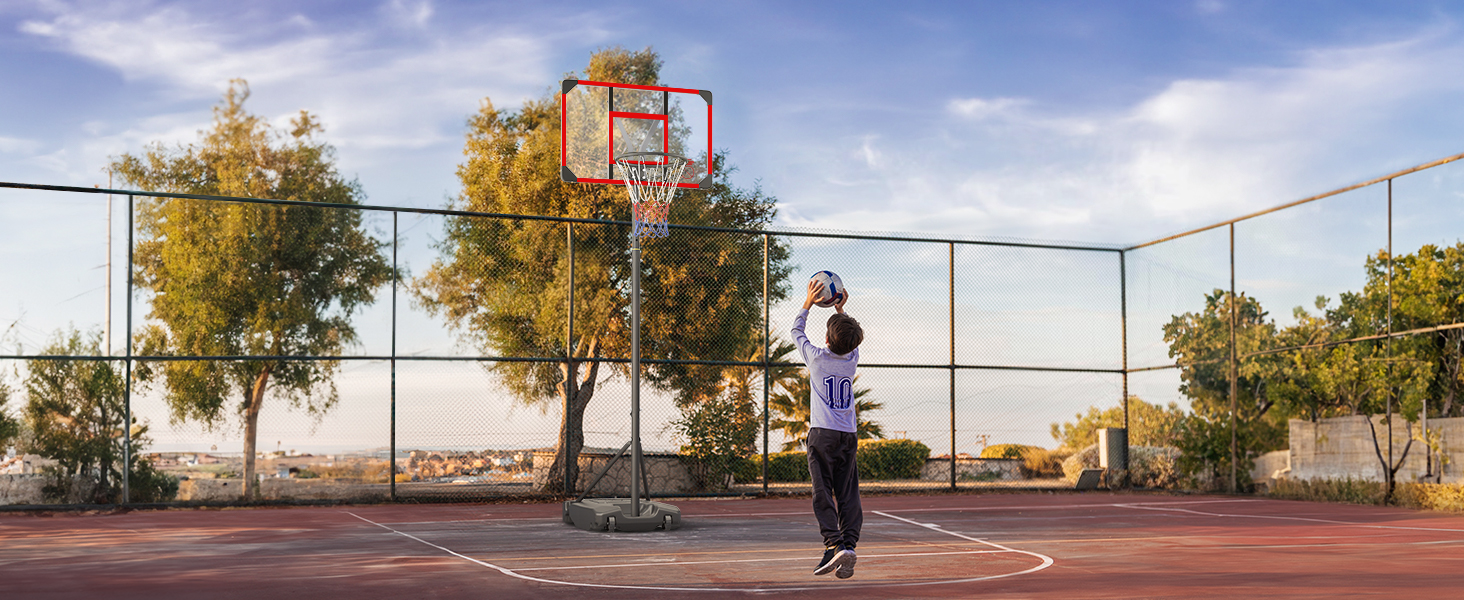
column 568, row 174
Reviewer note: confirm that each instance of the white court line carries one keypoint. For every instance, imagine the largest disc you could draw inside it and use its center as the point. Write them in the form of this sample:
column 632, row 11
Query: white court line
column 1062, row 507
column 1046, row 562
column 745, row 560
column 1285, row 518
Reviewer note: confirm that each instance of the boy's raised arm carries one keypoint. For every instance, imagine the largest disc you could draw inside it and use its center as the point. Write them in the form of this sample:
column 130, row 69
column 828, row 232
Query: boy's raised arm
column 800, row 339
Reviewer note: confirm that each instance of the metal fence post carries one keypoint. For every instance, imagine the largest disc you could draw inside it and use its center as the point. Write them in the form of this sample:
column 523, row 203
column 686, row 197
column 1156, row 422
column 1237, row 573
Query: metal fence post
column 1234, row 373
column 127, row 389
column 1389, row 414
column 951, row 285
column 569, row 373
column 1128, row 434
column 767, row 363
column 395, row 275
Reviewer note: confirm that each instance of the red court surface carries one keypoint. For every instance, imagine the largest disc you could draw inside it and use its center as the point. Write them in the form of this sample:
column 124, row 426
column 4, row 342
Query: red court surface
column 1093, row 545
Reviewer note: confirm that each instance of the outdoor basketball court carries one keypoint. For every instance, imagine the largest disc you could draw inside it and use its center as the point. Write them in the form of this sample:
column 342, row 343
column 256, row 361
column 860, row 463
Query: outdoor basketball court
column 1094, row 545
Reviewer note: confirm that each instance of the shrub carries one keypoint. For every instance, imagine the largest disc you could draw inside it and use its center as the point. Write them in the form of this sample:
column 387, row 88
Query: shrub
column 878, row 459
column 147, row 484
column 1037, row 462
column 1043, row 463
column 1446, row 497
column 1006, row 451
column 1149, row 466
column 1346, row 490
column 782, row 467
column 891, row 459
column 788, row 466
column 717, row 433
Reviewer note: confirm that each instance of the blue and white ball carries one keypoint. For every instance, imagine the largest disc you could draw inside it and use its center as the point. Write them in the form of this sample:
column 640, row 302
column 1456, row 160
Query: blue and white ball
column 832, row 286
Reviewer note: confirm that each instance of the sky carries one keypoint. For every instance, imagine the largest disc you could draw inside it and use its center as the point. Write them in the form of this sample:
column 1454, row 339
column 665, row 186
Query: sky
column 1104, row 123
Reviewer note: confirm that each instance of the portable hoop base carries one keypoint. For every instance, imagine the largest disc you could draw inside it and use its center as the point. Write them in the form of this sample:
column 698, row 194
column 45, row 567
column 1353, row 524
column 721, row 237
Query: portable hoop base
column 617, row 514
column 650, row 182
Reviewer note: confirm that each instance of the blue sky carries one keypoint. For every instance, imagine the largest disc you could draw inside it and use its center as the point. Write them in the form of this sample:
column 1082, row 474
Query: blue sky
column 1105, row 122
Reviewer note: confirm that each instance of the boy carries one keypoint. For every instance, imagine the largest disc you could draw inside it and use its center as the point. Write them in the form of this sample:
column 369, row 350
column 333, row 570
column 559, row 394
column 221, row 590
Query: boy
column 832, row 433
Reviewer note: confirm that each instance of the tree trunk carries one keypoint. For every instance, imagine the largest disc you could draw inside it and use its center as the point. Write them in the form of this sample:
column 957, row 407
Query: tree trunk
column 1390, row 472
column 253, row 400
column 571, row 429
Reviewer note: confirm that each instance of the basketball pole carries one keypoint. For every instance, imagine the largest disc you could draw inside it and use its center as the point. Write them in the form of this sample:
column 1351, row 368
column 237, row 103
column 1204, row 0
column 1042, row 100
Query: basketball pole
column 635, row 298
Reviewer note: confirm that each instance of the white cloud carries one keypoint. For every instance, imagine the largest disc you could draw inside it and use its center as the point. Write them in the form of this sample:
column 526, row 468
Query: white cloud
column 415, row 13
column 1193, row 152
column 977, row 109
column 376, row 91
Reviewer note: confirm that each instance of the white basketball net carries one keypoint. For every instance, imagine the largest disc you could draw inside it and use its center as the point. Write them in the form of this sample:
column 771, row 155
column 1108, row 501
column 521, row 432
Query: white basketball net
column 651, row 179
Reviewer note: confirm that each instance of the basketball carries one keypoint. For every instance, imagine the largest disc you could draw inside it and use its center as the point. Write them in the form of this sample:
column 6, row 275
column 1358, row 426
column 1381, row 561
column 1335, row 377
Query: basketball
column 833, row 288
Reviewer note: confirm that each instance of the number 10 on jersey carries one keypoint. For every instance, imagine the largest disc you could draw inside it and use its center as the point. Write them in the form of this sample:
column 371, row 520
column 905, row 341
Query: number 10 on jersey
column 838, row 392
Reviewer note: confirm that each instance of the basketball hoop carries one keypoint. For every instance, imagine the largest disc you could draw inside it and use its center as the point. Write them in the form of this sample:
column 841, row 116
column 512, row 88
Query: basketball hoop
column 651, row 178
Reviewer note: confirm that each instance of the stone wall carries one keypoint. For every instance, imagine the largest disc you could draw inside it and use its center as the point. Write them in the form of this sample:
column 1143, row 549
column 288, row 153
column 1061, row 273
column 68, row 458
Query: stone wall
column 973, row 469
column 1343, row 447
column 272, row 488
column 665, row 473
column 22, row 489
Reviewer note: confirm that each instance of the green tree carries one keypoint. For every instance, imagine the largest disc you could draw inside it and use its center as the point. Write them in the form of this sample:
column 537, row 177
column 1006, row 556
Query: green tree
column 719, row 432
column 1149, row 425
column 249, row 279
column 9, row 425
column 503, row 283
column 1427, row 287
column 1200, row 343
column 1382, row 378
column 75, row 414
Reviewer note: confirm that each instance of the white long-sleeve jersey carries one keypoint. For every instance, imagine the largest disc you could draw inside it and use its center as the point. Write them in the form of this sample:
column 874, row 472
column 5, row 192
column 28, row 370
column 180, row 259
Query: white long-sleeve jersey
column 831, row 405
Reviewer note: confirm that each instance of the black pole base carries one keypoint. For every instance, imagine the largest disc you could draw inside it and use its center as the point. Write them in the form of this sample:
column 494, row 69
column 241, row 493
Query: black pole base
column 615, row 514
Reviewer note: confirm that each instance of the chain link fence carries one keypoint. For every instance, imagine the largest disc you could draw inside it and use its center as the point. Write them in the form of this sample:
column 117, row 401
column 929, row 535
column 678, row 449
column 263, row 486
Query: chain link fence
column 970, row 345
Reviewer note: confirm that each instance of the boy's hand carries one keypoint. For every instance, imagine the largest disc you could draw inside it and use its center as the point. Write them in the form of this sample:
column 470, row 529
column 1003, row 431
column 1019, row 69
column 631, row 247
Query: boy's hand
column 839, row 304
column 815, row 293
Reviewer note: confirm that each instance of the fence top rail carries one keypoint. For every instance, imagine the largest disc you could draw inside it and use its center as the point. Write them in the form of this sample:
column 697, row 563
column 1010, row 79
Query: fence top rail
column 468, row 213
column 530, row 359
column 1377, row 180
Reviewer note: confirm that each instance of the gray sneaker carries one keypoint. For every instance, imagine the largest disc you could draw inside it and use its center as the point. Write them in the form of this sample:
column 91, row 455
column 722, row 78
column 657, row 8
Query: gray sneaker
column 846, row 560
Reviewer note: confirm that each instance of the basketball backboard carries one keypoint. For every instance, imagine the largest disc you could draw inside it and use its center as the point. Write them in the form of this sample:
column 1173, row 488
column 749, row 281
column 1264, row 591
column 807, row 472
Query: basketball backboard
column 600, row 121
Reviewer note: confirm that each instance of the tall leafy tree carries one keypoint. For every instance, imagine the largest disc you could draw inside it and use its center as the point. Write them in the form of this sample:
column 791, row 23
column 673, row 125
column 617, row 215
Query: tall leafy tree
column 250, row 279
column 503, row 283
column 1149, row 425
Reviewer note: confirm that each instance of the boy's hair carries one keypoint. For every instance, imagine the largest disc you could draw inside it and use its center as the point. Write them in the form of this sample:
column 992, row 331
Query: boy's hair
column 844, row 334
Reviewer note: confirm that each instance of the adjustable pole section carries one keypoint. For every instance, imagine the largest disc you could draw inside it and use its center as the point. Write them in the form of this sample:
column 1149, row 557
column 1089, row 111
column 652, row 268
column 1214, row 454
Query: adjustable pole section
column 635, row 448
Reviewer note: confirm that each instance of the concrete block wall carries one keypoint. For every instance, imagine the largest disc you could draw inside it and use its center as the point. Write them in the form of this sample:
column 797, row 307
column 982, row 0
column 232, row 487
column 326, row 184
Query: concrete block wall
column 1343, row 447
column 665, row 473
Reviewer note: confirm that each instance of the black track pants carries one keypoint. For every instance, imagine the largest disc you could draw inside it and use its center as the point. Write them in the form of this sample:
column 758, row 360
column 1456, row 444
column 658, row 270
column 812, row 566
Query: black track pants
column 831, row 462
